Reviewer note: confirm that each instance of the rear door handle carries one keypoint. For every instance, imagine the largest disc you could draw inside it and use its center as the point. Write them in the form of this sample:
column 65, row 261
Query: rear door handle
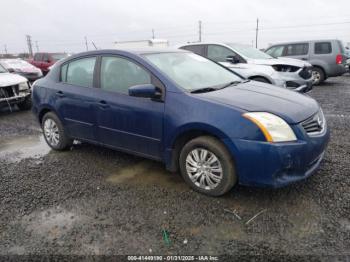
column 103, row 104
column 60, row 94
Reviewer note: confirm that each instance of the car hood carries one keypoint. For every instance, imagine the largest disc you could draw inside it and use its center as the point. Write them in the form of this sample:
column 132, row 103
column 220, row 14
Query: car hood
column 255, row 96
column 8, row 79
column 281, row 61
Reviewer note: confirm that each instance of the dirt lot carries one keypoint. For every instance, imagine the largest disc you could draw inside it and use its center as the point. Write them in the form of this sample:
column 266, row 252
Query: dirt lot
column 92, row 200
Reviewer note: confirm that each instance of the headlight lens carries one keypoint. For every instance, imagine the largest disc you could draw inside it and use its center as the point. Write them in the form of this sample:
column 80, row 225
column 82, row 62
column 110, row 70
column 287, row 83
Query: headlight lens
column 23, row 86
column 274, row 128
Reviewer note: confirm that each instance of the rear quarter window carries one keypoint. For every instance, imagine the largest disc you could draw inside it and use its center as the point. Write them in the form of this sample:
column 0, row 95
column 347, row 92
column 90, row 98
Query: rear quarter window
column 197, row 49
column 322, row 48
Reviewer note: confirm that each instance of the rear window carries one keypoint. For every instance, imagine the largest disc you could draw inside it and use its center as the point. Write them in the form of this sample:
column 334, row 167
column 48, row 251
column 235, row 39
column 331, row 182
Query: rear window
column 297, row 49
column 323, row 48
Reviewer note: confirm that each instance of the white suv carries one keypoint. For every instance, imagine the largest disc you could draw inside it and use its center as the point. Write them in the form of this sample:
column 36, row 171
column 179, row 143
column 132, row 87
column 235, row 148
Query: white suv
column 253, row 64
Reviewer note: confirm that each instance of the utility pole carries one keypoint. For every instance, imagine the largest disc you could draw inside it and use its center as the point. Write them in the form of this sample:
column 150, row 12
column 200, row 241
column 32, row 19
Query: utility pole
column 257, row 32
column 30, row 45
column 37, row 46
column 5, row 48
column 200, row 31
column 153, row 34
column 86, row 44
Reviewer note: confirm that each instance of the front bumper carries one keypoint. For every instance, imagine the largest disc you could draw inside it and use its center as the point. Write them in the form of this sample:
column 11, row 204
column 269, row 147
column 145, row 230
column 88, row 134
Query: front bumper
column 15, row 99
column 276, row 165
column 292, row 81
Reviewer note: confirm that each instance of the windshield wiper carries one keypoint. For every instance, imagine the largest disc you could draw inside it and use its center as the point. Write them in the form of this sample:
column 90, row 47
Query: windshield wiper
column 203, row 90
column 230, row 84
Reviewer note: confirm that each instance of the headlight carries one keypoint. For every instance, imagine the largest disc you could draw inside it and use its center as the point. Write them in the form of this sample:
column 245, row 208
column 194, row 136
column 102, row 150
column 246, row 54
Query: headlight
column 285, row 68
column 23, row 86
column 274, row 128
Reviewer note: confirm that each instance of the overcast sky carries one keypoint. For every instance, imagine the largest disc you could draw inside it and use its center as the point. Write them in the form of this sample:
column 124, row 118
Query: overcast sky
column 61, row 25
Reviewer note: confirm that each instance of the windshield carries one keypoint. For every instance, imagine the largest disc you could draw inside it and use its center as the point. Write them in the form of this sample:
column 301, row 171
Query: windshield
column 57, row 57
column 191, row 71
column 2, row 69
column 250, row 52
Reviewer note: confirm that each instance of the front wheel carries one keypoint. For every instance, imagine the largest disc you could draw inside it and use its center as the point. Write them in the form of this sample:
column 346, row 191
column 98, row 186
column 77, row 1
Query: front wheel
column 54, row 132
column 207, row 166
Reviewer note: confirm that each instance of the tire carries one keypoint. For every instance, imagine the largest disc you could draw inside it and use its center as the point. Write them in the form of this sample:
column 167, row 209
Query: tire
column 261, row 79
column 54, row 133
column 26, row 104
column 318, row 76
column 214, row 147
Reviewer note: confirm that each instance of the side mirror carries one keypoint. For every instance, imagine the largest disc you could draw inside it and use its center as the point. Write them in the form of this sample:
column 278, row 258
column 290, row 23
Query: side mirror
column 232, row 59
column 146, row 91
column 11, row 70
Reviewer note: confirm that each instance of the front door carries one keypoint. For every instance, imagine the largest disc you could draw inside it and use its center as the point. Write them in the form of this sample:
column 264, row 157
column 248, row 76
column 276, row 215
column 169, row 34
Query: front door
column 131, row 123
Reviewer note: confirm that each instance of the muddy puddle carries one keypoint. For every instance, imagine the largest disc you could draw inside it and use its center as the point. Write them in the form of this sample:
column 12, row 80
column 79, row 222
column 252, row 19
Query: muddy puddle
column 145, row 173
column 17, row 149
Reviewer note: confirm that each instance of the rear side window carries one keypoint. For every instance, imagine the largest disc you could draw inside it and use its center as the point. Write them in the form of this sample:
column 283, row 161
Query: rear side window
column 219, row 53
column 79, row 72
column 38, row 57
column 197, row 49
column 323, row 48
column 118, row 74
column 297, row 49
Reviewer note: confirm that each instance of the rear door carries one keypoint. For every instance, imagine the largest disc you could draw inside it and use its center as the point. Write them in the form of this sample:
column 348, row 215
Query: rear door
column 297, row 51
column 131, row 123
column 76, row 97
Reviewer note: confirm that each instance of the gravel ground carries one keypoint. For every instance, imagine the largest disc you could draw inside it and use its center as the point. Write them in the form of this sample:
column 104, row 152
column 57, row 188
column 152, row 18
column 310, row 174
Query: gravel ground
column 90, row 200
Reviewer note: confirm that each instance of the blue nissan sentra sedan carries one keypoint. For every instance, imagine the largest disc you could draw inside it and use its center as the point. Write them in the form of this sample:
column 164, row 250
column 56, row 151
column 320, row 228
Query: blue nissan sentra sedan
column 194, row 115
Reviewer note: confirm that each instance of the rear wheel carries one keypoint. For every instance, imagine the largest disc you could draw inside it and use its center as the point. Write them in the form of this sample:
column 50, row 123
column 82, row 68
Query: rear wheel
column 54, row 132
column 207, row 166
column 318, row 76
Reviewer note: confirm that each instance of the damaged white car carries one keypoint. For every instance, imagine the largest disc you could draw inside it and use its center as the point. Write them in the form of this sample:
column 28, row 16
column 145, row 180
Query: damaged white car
column 14, row 89
column 253, row 64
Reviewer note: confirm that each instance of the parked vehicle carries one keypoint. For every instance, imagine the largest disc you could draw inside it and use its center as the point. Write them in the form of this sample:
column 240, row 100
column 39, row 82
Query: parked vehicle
column 14, row 89
column 185, row 110
column 327, row 57
column 23, row 68
column 253, row 64
column 45, row 60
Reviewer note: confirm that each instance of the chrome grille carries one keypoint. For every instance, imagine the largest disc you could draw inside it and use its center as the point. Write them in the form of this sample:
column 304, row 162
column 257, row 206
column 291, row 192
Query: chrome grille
column 314, row 124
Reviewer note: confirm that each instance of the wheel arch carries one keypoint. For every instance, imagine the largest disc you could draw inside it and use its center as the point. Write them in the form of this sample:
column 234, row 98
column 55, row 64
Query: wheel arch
column 186, row 134
column 260, row 76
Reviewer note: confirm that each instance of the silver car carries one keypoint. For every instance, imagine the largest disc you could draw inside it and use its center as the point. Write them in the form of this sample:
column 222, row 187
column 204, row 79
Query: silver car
column 253, row 64
column 328, row 57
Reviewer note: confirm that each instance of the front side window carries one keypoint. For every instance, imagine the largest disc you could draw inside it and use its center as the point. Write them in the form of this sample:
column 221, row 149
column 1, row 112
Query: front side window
column 191, row 71
column 323, row 48
column 219, row 53
column 118, row 74
column 79, row 72
column 2, row 69
column 297, row 49
column 276, row 51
